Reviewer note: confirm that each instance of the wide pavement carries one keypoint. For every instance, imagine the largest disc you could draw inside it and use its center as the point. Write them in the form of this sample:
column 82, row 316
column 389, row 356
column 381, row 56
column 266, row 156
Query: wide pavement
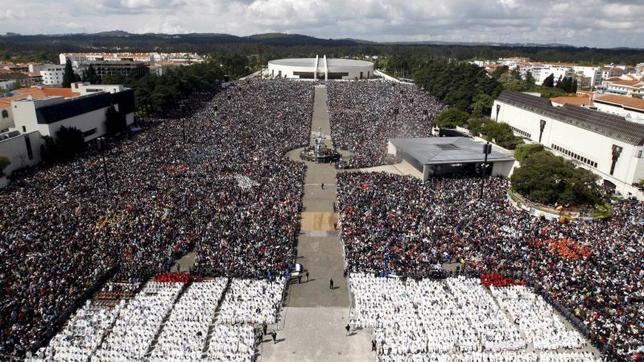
column 313, row 326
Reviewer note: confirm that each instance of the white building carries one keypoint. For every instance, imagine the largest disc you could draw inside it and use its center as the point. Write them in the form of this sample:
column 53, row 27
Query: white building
column 86, row 113
column 632, row 109
column 320, row 68
column 593, row 73
column 606, row 144
column 626, row 86
column 52, row 74
column 22, row 149
column 542, row 71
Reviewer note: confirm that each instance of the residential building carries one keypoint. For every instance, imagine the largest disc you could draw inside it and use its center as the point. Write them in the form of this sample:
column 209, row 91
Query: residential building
column 631, row 108
column 79, row 60
column 52, row 74
column 611, row 72
column 542, row 71
column 627, row 86
column 593, row 74
column 603, row 143
column 124, row 69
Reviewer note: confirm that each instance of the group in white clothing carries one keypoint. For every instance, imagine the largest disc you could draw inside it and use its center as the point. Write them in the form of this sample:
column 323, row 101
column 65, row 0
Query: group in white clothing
column 457, row 319
column 185, row 332
column 185, row 328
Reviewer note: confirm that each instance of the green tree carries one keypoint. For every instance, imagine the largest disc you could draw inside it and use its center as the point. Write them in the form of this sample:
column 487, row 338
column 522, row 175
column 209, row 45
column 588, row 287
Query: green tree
column 499, row 71
column 549, row 81
column 68, row 77
column 548, row 179
column 523, row 151
column 69, row 141
column 455, row 83
column 499, row 133
column 482, row 105
column 90, row 75
column 4, row 162
column 529, row 79
column 451, row 118
column 115, row 122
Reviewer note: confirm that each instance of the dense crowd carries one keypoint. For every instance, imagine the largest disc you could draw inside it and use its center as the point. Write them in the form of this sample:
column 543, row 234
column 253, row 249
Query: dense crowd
column 216, row 181
column 422, row 319
column 400, row 225
column 364, row 115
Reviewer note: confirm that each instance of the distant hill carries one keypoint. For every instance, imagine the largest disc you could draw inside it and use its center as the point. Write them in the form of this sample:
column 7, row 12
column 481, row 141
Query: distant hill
column 280, row 45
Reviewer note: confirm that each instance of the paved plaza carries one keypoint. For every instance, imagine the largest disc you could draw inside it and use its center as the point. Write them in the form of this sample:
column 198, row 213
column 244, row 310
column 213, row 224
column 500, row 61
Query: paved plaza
column 315, row 316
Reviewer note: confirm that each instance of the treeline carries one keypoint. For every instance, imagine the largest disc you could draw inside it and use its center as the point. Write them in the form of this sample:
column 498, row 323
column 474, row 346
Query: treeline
column 549, row 179
column 462, row 85
column 156, row 95
column 272, row 46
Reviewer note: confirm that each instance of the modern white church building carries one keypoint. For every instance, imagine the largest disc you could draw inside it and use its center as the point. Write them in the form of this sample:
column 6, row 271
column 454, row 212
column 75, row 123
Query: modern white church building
column 320, row 68
column 604, row 143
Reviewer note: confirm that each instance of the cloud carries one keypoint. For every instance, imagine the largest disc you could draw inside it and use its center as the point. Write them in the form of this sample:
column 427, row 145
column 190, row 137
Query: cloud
column 604, row 23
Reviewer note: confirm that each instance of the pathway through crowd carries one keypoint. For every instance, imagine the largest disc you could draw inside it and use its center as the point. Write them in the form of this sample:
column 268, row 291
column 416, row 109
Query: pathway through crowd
column 313, row 322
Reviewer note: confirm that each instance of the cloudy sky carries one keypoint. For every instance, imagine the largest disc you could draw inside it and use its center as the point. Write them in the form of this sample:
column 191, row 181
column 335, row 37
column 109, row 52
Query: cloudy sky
column 601, row 23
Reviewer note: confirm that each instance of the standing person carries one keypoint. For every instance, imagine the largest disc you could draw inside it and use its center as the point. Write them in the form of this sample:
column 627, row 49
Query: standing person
column 322, row 185
column 264, row 328
column 274, row 335
column 299, row 279
column 307, row 276
column 373, row 345
column 348, row 329
column 330, row 283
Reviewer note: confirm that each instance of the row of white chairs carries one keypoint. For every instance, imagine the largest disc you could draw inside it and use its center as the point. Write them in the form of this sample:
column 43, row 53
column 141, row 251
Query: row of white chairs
column 138, row 323
column 422, row 320
column 537, row 319
column 184, row 334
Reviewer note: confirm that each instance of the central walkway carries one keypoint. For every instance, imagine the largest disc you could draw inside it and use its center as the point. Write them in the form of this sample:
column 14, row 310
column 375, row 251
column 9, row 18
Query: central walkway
column 315, row 317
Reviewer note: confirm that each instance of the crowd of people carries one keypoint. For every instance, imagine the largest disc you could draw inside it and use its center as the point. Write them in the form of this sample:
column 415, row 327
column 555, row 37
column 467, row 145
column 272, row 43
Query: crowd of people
column 132, row 334
column 250, row 301
column 400, row 225
column 84, row 331
column 422, row 319
column 184, row 333
column 215, row 318
column 364, row 115
column 215, row 182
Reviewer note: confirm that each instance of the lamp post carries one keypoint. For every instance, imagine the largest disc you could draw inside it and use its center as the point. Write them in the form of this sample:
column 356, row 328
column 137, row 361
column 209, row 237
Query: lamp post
column 183, row 122
column 102, row 145
column 487, row 149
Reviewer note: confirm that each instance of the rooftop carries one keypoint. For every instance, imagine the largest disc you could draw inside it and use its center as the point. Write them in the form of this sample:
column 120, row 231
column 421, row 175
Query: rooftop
column 447, row 150
column 583, row 100
column 602, row 123
column 332, row 62
column 37, row 93
column 625, row 82
column 626, row 102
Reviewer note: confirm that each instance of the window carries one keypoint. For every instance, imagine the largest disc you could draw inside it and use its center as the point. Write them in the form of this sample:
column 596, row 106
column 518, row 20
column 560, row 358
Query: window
column 89, row 133
column 24, row 129
column 520, row 132
column 5, row 114
column 574, row 155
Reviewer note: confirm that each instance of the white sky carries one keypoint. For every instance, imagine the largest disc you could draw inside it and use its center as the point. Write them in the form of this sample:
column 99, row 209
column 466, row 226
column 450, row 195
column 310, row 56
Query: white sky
column 602, row 23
